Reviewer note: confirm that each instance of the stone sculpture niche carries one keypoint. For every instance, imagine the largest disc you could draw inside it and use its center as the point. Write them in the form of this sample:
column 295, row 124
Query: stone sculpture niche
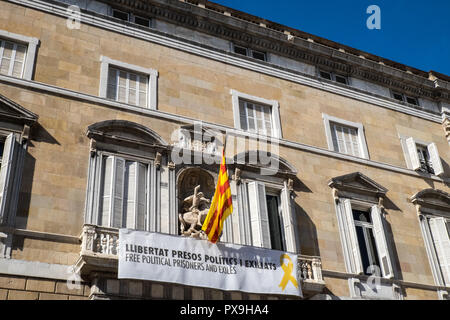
column 195, row 209
column 195, row 190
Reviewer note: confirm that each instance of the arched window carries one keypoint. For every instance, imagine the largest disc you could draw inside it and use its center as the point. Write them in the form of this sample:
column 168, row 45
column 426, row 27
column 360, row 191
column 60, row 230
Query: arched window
column 125, row 176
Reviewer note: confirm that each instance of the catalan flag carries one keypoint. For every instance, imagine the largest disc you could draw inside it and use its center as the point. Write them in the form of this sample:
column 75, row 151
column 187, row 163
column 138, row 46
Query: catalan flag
column 221, row 206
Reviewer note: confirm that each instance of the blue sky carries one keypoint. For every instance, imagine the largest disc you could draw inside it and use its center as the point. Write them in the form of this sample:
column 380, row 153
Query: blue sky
column 415, row 33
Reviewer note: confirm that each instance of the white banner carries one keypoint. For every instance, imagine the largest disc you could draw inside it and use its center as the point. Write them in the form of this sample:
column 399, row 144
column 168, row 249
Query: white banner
column 166, row 258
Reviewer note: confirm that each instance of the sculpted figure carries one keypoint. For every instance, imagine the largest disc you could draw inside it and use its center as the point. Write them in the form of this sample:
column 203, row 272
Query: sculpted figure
column 194, row 211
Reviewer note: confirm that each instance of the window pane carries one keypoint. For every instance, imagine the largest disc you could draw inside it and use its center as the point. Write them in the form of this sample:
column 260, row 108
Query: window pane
column 274, row 222
column 142, row 21
column 259, row 55
column 240, row 50
column 398, row 96
column 412, row 100
column 120, row 14
column 363, row 216
column 341, row 79
column 20, row 53
column 129, row 194
column 243, row 115
column 325, row 75
column 367, row 247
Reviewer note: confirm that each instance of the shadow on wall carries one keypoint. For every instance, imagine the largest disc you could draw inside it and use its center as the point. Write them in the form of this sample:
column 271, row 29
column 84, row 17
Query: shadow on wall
column 39, row 134
column 393, row 251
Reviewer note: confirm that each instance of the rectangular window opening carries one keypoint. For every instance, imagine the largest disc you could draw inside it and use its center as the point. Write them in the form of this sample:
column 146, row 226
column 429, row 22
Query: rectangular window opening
column 120, row 15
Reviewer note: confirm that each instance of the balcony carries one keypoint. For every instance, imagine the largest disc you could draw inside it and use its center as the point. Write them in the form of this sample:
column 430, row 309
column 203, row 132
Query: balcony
column 99, row 254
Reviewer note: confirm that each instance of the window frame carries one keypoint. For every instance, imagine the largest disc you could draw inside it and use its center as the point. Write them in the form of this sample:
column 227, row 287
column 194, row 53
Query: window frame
column 152, row 85
column 275, row 112
column 437, row 167
column 102, row 156
column 333, row 76
column 252, row 216
column 31, row 43
column 248, row 52
column 405, row 98
column 132, row 18
column 364, row 152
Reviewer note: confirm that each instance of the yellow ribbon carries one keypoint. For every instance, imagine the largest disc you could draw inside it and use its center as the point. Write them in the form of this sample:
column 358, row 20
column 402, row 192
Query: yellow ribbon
column 287, row 272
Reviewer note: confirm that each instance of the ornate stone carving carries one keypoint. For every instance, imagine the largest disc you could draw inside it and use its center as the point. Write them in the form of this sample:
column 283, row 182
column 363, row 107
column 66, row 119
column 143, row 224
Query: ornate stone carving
column 194, row 211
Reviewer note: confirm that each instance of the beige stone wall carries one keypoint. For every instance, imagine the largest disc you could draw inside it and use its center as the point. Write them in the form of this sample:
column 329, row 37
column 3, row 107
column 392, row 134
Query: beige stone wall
column 54, row 179
column 22, row 288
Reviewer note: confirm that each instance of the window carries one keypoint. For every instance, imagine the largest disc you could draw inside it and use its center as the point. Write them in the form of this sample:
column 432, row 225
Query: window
column 12, row 58
column 366, row 240
column 274, row 214
column 264, row 206
column 333, row 77
column 404, row 98
column 123, row 195
column 440, row 234
column 266, row 210
column 422, row 156
column 249, row 52
column 17, row 54
column 127, row 177
column 345, row 137
column 365, row 233
column 361, row 224
column 128, row 84
column 120, row 15
column 131, row 18
column 433, row 208
column 256, row 115
column 127, row 87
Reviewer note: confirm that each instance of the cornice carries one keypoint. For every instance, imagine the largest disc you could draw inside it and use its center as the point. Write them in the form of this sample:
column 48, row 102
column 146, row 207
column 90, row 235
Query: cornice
column 259, row 37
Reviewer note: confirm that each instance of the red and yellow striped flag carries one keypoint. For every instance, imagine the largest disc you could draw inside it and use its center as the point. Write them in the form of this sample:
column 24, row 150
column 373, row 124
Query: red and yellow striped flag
column 221, row 206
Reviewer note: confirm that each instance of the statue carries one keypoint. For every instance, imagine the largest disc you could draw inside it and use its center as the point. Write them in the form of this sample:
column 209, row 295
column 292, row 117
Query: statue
column 195, row 209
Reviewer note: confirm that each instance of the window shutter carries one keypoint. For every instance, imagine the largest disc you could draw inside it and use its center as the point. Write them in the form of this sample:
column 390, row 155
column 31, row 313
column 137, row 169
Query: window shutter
column 288, row 214
column 130, row 195
column 412, row 152
column 118, row 192
column 141, row 197
column 105, row 215
column 435, row 159
column 6, row 175
column 442, row 244
column 259, row 219
column 381, row 243
column 354, row 246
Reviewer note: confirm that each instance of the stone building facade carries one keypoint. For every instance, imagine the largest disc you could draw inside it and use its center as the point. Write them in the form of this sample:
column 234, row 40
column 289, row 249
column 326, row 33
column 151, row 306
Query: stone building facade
column 94, row 90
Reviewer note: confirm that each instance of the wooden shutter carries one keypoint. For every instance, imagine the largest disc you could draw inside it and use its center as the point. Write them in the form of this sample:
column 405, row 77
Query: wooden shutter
column 435, row 159
column 288, row 214
column 441, row 242
column 7, row 175
column 141, row 200
column 259, row 220
column 381, row 243
column 412, row 152
column 105, row 214
column 353, row 239
column 130, row 194
column 118, row 192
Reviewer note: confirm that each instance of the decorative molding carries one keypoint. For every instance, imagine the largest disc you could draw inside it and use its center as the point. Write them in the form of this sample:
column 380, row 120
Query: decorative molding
column 233, row 59
column 37, row 86
column 261, row 38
